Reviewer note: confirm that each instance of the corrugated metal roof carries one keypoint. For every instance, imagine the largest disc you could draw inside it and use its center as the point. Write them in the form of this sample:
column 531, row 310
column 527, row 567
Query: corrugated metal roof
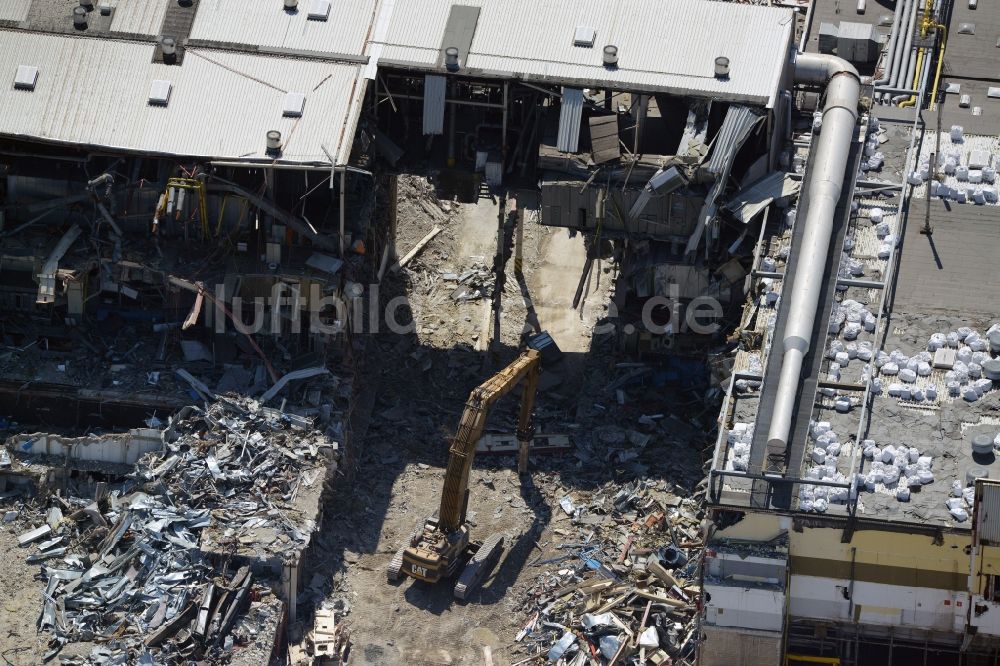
column 434, row 101
column 736, row 127
column 268, row 26
column 758, row 196
column 138, row 17
column 570, row 115
column 988, row 513
column 94, row 92
column 14, row 10
column 662, row 46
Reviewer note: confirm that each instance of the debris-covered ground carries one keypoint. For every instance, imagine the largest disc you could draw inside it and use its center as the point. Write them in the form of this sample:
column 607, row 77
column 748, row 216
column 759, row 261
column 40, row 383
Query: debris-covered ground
column 180, row 560
column 594, row 533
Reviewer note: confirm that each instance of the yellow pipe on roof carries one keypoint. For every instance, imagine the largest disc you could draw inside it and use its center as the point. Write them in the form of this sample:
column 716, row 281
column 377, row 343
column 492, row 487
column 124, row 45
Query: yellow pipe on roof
column 937, row 75
column 916, row 79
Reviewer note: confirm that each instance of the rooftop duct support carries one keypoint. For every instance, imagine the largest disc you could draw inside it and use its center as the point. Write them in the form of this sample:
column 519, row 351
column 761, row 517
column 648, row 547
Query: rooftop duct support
column 825, row 182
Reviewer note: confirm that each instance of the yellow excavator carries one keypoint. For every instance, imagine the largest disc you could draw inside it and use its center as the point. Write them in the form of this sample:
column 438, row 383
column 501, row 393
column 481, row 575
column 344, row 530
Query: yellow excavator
column 436, row 549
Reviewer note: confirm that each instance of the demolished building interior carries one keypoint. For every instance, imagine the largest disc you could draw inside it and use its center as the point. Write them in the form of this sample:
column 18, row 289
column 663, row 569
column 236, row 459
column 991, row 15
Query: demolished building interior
column 254, row 260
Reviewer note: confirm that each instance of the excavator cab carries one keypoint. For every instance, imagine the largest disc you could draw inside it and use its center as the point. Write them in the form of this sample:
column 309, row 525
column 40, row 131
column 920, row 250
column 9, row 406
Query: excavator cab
column 439, row 547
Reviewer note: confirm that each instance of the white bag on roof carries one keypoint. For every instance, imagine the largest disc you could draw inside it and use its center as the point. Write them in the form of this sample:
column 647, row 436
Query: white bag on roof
column 890, row 369
column 937, row 341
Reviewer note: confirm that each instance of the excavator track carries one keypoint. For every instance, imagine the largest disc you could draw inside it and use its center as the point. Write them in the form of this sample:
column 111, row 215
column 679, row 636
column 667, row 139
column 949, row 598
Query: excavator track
column 394, row 571
column 395, row 568
column 479, row 566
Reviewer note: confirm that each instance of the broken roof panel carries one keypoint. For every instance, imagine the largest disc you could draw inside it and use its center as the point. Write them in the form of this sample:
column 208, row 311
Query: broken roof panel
column 652, row 57
column 604, row 144
column 757, row 196
column 232, row 95
column 570, row 115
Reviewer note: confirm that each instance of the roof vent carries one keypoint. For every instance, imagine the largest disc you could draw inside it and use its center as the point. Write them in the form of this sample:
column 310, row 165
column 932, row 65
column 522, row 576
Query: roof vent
column 722, row 67
column 610, row 55
column 293, row 105
column 273, row 142
column 26, row 77
column 80, row 18
column 319, row 10
column 159, row 92
column 169, row 46
column 451, row 58
column 291, row 5
column 584, row 36
column 86, row 4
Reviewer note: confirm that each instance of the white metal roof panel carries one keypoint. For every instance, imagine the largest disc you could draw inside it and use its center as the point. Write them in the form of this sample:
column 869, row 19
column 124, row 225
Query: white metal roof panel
column 14, row 10
column 266, row 25
column 138, row 17
column 221, row 104
column 435, row 90
column 662, row 46
column 570, row 117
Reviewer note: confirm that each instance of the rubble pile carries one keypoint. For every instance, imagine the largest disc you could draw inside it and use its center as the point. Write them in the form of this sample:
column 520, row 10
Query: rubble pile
column 257, row 469
column 624, row 585
column 146, row 569
column 473, row 283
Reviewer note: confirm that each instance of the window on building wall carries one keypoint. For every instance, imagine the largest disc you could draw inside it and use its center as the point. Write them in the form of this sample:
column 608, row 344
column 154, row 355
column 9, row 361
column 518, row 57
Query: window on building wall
column 992, row 590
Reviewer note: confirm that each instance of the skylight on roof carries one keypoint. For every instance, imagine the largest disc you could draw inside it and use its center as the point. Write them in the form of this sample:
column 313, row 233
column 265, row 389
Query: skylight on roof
column 159, row 92
column 584, row 35
column 319, row 10
column 26, row 77
column 293, row 105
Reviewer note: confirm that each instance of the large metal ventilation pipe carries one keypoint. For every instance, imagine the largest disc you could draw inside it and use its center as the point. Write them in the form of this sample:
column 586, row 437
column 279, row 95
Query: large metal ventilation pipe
column 893, row 38
column 825, row 182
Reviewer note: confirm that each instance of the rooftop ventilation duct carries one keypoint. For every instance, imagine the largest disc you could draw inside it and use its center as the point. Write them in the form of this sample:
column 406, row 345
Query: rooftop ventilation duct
column 825, row 182
column 273, row 142
column 722, row 67
column 169, row 46
column 291, row 5
column 80, row 17
column 610, row 55
column 451, row 58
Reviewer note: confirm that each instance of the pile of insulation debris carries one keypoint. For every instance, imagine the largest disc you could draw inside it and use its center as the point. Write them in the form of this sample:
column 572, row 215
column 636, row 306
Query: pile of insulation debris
column 623, row 588
column 160, row 569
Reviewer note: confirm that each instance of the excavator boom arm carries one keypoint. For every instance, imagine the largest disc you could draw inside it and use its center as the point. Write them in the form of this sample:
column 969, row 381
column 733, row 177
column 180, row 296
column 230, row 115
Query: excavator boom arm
column 470, row 430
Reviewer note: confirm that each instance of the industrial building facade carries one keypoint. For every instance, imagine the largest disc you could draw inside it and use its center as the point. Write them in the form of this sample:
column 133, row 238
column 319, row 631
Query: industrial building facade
column 167, row 165
column 851, row 487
